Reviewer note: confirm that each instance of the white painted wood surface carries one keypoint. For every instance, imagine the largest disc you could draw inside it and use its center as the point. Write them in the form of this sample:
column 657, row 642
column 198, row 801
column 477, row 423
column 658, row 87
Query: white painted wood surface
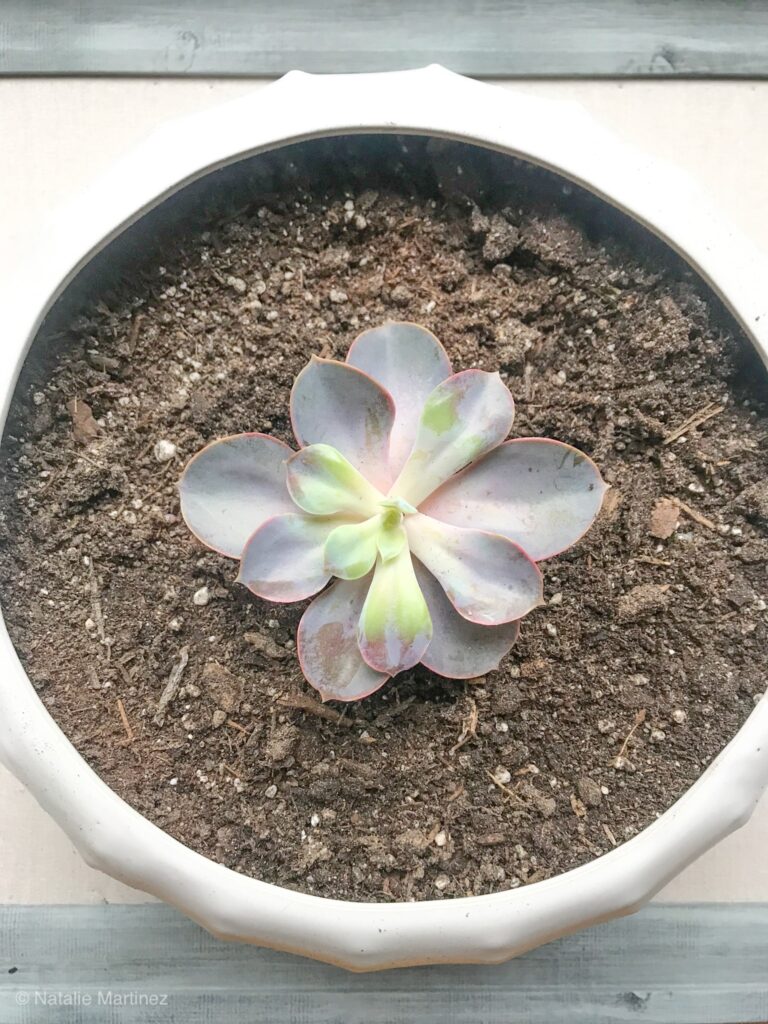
column 57, row 134
column 699, row 964
column 486, row 37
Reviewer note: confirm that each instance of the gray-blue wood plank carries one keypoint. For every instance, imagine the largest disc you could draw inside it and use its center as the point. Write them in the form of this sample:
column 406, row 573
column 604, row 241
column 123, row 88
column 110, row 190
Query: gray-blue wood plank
column 146, row 964
column 484, row 38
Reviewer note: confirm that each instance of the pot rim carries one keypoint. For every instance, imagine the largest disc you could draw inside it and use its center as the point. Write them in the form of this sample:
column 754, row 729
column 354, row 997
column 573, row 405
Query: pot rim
column 116, row 839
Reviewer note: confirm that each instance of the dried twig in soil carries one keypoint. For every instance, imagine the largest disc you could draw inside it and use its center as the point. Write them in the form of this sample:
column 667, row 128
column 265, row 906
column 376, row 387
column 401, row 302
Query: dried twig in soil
column 505, row 789
column 693, row 421
column 124, row 719
column 96, row 609
column 469, row 728
column 236, row 725
column 172, row 686
column 133, row 337
column 647, row 560
column 639, row 719
column 301, row 702
column 611, row 837
column 697, row 517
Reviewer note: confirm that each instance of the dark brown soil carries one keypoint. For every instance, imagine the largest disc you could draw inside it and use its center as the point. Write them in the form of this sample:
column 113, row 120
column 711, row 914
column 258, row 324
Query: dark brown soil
column 648, row 655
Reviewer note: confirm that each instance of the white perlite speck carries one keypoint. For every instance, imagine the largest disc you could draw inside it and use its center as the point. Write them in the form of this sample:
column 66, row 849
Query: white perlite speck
column 237, row 284
column 164, row 450
column 270, row 792
column 501, row 775
column 201, row 597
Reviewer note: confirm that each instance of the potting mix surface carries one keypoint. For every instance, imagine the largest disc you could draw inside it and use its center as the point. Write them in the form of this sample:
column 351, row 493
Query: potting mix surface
column 183, row 691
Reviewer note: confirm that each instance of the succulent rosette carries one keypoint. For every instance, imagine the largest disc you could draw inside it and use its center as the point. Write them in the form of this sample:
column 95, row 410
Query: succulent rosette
column 405, row 489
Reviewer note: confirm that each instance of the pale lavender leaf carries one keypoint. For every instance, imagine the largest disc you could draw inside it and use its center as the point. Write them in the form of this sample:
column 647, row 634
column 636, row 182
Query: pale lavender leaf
column 409, row 362
column 284, row 561
column 542, row 494
column 486, row 577
column 233, row 486
column 336, row 404
column 326, row 643
column 460, row 649
column 462, row 419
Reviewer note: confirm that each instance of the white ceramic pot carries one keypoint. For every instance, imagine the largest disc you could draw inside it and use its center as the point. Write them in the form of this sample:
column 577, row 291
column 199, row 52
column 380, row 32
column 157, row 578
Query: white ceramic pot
column 119, row 841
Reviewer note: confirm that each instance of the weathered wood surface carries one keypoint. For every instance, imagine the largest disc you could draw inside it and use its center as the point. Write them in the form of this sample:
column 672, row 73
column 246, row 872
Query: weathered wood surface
column 146, row 964
column 484, row 38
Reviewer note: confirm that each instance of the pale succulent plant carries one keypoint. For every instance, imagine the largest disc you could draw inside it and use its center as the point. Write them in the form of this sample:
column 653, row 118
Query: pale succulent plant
column 405, row 489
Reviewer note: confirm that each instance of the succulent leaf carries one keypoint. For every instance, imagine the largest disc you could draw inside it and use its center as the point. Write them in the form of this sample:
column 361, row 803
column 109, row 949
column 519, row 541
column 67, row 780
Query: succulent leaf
column 395, row 628
column 322, row 482
column 409, row 362
column 460, row 649
column 544, row 495
column 233, row 486
column 350, row 551
column 391, row 537
column 327, row 644
column 462, row 419
column 336, row 404
column 487, row 578
column 284, row 560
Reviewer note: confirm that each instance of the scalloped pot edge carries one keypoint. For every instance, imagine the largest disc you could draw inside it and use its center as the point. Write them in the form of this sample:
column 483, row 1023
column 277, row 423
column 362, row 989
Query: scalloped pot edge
column 113, row 837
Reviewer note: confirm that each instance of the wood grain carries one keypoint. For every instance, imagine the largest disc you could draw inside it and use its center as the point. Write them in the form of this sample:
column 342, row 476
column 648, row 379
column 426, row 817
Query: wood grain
column 484, row 38
column 681, row 963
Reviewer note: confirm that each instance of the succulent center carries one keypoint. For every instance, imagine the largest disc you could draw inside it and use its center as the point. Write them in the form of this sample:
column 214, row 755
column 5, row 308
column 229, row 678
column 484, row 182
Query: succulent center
column 352, row 549
column 398, row 505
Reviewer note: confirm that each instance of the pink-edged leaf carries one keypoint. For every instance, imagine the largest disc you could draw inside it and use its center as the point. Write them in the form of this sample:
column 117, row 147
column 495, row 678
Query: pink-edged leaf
column 462, row 419
column 322, row 482
column 283, row 561
column 233, row 486
column 395, row 628
column 487, row 578
column 460, row 649
column 542, row 494
column 409, row 362
column 327, row 644
column 336, row 404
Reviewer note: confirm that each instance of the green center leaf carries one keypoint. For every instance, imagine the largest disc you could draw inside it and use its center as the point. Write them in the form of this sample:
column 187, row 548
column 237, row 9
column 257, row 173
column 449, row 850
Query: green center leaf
column 350, row 550
column 322, row 482
column 395, row 626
